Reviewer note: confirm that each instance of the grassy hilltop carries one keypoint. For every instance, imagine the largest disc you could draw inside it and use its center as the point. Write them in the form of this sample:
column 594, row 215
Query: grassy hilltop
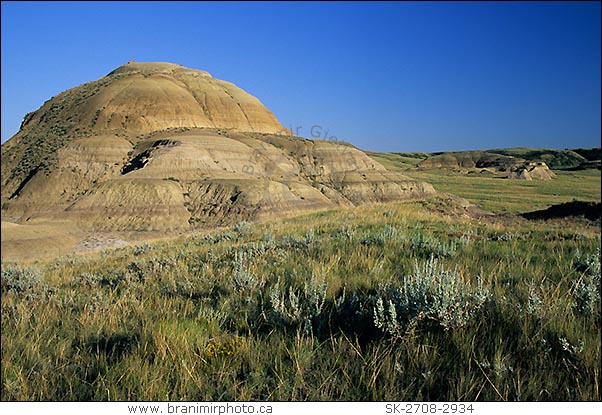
column 414, row 300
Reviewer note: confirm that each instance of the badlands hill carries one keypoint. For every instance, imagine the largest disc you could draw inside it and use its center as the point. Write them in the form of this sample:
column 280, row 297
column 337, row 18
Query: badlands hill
column 481, row 161
column 157, row 147
column 568, row 159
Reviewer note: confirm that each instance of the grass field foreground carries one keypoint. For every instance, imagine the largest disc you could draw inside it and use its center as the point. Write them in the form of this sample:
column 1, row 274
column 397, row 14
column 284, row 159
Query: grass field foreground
column 388, row 302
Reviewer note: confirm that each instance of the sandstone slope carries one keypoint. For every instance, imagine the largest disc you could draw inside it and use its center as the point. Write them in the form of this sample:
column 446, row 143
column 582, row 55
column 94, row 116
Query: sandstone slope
column 156, row 147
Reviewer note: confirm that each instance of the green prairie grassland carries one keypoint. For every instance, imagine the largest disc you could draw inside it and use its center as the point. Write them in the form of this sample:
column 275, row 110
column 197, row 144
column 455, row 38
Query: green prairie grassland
column 401, row 301
column 493, row 192
column 500, row 195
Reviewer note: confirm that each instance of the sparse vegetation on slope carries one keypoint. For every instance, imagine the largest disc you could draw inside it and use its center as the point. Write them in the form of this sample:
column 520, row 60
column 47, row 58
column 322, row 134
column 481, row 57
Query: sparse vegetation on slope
column 397, row 161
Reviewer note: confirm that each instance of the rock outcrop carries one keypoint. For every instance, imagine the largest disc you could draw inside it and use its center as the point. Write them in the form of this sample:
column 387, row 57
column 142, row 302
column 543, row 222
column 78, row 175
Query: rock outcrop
column 530, row 171
column 198, row 177
column 484, row 162
column 159, row 147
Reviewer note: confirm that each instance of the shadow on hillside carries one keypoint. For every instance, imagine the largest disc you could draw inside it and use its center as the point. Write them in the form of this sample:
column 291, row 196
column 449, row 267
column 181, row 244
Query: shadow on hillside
column 589, row 210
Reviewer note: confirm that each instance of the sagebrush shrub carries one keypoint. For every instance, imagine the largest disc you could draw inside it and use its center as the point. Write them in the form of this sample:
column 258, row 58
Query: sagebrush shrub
column 387, row 235
column 86, row 280
column 430, row 294
column 586, row 290
column 295, row 307
column 20, row 280
column 244, row 280
column 142, row 249
column 428, row 246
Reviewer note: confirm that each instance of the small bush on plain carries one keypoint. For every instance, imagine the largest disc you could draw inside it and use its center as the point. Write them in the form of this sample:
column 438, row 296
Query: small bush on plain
column 430, row 294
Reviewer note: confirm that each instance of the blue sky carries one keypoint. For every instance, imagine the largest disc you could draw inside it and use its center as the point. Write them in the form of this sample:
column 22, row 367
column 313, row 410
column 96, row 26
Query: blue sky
column 390, row 76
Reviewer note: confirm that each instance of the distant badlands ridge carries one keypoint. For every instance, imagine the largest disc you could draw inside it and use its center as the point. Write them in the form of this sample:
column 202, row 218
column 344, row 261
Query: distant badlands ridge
column 157, row 147
column 470, row 161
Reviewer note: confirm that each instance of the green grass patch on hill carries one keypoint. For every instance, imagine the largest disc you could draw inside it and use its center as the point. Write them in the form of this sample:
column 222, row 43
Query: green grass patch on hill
column 397, row 161
column 590, row 154
column 555, row 159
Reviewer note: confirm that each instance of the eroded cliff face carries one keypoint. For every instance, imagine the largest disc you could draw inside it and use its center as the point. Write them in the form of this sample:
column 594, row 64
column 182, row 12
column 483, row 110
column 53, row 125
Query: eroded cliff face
column 199, row 177
column 159, row 147
column 133, row 100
